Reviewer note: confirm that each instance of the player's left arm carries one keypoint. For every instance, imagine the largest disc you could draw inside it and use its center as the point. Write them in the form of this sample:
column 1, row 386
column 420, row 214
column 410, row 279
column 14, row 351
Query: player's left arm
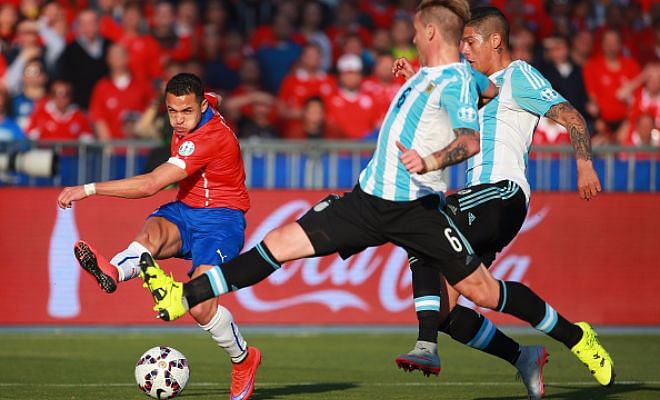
column 130, row 188
column 567, row 116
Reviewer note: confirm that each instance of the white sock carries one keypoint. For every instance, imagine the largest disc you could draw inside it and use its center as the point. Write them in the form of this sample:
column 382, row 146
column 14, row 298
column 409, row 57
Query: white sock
column 128, row 261
column 225, row 333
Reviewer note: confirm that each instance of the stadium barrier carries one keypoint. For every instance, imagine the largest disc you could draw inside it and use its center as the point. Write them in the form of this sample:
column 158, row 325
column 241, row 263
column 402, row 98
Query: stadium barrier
column 592, row 260
column 315, row 164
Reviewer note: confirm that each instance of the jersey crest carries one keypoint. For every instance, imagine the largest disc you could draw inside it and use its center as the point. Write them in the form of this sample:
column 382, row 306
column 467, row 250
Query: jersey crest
column 186, row 148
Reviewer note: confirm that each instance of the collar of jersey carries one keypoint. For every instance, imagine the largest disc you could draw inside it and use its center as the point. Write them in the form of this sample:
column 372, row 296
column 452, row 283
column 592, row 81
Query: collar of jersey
column 206, row 117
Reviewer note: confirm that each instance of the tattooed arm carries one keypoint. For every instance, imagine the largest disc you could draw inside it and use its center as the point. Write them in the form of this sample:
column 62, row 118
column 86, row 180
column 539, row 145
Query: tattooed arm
column 465, row 145
column 567, row 116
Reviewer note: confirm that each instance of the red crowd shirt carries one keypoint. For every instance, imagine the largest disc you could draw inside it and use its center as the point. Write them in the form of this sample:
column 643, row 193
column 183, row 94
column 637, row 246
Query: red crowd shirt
column 382, row 93
column 145, row 57
column 211, row 156
column 296, row 88
column 602, row 84
column 354, row 114
column 115, row 106
column 48, row 123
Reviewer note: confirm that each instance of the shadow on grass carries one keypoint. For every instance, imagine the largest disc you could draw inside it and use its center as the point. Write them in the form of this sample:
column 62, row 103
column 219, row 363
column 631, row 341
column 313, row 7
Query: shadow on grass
column 267, row 393
column 588, row 393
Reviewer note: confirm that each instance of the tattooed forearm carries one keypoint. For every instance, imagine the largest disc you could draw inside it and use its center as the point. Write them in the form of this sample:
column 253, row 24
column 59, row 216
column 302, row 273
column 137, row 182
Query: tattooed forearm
column 567, row 116
column 463, row 147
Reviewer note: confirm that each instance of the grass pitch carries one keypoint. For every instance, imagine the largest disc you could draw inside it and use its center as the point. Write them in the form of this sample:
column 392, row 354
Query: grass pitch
column 99, row 365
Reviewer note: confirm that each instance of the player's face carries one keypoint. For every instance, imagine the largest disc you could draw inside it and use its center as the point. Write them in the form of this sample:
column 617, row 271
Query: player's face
column 184, row 112
column 420, row 40
column 474, row 50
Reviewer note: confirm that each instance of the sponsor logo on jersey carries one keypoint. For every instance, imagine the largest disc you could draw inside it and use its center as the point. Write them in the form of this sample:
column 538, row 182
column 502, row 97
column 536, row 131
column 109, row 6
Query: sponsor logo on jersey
column 186, row 148
column 467, row 114
column 471, row 218
column 549, row 94
column 464, row 191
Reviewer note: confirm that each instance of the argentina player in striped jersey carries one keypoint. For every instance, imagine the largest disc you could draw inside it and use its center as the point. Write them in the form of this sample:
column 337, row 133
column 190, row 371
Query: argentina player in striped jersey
column 433, row 114
column 492, row 209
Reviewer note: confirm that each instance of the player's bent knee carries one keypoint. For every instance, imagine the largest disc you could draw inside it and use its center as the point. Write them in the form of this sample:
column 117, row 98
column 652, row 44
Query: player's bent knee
column 204, row 312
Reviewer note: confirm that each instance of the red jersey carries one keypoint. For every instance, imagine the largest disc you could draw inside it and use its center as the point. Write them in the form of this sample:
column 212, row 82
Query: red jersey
column 382, row 93
column 603, row 84
column 354, row 114
column 116, row 106
column 48, row 123
column 145, row 57
column 211, row 156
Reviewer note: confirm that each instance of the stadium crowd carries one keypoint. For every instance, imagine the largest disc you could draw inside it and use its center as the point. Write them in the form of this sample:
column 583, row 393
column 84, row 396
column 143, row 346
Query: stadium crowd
column 94, row 69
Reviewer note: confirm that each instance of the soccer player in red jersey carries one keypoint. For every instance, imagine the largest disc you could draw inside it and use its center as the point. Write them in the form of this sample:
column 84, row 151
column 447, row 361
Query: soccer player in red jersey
column 206, row 222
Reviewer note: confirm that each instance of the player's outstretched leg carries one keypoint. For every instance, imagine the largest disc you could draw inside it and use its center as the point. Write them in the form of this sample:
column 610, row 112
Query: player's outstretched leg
column 243, row 375
column 424, row 357
column 530, row 365
column 167, row 293
column 105, row 274
column 594, row 356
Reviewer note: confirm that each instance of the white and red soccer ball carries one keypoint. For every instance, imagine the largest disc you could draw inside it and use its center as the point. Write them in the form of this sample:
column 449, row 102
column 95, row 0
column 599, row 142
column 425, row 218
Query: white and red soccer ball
column 162, row 372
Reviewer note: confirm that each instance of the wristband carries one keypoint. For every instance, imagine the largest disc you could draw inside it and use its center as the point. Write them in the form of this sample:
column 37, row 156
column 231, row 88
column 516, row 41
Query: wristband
column 431, row 163
column 90, row 189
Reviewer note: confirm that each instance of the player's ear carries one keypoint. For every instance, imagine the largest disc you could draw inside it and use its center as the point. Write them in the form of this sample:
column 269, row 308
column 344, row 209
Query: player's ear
column 205, row 105
column 496, row 41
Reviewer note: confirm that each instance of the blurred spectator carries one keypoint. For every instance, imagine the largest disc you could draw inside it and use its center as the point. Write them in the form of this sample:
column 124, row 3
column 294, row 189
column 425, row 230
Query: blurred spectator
column 259, row 124
column 605, row 75
column 311, row 27
column 225, row 60
column 313, row 124
column 645, row 103
column 548, row 132
column 402, row 33
column 110, row 17
column 649, row 49
column 175, row 43
column 349, row 109
column 646, row 132
column 9, row 129
column 581, row 47
column 31, row 90
column 347, row 21
column 382, row 41
column 240, row 102
column 307, row 80
column 382, row 85
column 381, row 12
column 58, row 118
column 278, row 58
column 188, row 26
column 265, row 34
column 144, row 53
column 53, row 28
column 564, row 75
column 8, row 20
column 353, row 45
column 83, row 61
column 523, row 44
column 26, row 46
column 216, row 17
column 118, row 100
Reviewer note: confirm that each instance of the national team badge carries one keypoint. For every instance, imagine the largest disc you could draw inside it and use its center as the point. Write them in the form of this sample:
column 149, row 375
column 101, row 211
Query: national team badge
column 186, row 148
column 467, row 114
column 549, row 94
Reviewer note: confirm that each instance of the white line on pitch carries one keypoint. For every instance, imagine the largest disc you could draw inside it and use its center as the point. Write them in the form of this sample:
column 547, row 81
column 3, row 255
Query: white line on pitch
column 276, row 384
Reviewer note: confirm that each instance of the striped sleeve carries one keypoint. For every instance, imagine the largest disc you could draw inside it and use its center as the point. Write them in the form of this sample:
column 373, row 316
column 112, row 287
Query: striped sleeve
column 532, row 91
column 459, row 99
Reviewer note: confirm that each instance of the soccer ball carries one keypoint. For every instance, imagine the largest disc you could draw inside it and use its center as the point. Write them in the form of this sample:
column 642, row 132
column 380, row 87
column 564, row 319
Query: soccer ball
column 162, row 372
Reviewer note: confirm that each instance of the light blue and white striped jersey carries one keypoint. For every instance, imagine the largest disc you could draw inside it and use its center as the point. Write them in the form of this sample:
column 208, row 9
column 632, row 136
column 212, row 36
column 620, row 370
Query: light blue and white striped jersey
column 422, row 116
column 507, row 124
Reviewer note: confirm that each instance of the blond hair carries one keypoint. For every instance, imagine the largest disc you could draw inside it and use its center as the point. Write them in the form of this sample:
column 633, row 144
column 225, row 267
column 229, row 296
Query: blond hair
column 450, row 16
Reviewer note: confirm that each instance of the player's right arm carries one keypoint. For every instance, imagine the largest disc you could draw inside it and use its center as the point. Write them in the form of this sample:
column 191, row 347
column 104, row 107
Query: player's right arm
column 130, row 188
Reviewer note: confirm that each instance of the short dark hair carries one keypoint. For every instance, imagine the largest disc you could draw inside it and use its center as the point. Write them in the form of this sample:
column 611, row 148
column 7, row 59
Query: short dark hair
column 185, row 83
column 490, row 20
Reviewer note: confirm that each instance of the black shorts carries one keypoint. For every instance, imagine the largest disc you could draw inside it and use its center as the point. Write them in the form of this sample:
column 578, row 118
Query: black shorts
column 357, row 220
column 489, row 216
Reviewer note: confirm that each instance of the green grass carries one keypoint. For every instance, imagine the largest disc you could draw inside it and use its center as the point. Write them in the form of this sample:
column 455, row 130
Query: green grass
column 310, row 366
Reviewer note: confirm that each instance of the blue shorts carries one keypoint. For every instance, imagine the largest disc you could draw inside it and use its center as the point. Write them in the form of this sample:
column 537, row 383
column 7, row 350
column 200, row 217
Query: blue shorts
column 208, row 235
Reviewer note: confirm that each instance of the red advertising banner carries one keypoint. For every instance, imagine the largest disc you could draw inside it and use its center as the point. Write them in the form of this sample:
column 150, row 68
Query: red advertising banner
column 591, row 260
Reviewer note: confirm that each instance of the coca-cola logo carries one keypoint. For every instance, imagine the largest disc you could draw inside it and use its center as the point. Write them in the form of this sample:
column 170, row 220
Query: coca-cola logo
column 375, row 279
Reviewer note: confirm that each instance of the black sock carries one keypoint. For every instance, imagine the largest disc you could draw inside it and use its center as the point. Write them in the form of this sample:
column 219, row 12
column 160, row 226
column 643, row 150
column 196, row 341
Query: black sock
column 245, row 270
column 521, row 302
column 469, row 327
column 426, row 285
